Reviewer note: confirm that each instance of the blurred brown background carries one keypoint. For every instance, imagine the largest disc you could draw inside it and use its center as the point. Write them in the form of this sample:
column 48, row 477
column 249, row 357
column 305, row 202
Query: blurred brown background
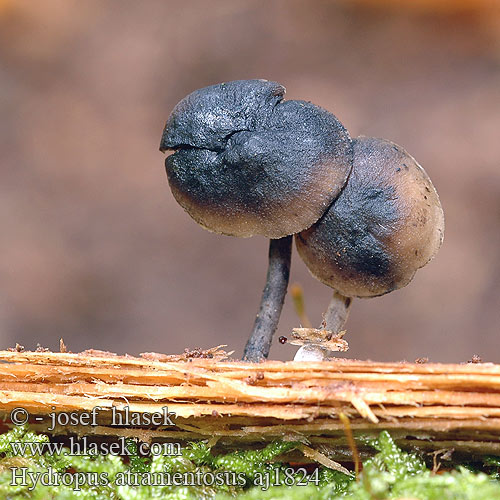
column 94, row 247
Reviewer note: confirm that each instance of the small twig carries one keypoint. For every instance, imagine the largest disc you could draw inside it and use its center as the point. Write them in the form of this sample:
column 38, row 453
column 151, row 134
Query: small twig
column 352, row 444
column 298, row 303
column 332, row 324
column 323, row 460
column 62, row 346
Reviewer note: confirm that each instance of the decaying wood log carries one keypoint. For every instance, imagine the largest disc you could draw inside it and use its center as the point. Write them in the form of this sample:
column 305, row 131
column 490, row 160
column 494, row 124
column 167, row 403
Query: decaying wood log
column 236, row 404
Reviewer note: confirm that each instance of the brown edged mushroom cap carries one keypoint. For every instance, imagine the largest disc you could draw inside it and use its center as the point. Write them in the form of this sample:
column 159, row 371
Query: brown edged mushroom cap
column 386, row 223
column 246, row 162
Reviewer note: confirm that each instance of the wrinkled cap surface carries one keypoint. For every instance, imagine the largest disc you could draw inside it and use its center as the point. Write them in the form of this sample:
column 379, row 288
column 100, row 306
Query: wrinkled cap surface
column 208, row 116
column 386, row 224
column 247, row 162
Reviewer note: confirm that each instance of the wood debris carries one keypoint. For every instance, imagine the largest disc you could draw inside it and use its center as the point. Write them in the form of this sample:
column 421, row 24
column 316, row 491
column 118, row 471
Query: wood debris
column 430, row 406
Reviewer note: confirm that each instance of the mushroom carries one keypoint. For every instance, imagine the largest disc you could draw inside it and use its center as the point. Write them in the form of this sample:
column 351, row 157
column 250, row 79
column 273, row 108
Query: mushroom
column 385, row 225
column 247, row 163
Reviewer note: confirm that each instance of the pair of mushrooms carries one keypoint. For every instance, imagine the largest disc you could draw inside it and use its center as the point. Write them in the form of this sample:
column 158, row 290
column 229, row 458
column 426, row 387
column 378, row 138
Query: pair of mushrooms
column 364, row 213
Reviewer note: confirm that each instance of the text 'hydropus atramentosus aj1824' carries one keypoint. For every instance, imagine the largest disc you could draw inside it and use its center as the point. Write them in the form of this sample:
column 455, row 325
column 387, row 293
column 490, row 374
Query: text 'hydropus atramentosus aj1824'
column 246, row 162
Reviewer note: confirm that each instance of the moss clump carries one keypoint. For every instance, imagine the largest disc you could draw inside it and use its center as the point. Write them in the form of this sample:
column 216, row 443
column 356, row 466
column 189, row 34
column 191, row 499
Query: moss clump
column 197, row 473
column 392, row 473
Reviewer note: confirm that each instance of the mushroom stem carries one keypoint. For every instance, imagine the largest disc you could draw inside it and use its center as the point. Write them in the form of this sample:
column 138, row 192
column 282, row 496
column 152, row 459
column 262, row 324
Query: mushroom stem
column 333, row 320
column 271, row 303
column 337, row 313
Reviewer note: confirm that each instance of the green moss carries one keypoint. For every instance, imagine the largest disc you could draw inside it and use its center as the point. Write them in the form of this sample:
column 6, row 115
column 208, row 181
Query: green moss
column 391, row 473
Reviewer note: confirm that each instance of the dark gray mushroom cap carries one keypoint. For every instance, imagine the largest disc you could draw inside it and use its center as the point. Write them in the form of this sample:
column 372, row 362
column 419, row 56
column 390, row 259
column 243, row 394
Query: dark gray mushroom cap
column 246, row 162
column 386, row 224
